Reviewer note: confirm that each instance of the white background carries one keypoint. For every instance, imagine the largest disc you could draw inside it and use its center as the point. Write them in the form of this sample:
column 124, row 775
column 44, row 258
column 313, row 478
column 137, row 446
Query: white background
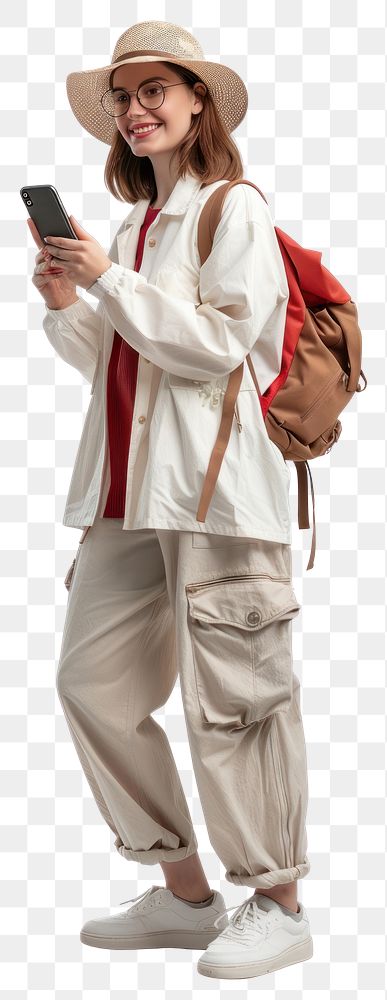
column 314, row 141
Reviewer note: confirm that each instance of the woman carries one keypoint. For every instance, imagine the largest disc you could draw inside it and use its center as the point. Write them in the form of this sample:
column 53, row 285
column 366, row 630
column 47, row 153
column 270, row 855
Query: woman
column 154, row 592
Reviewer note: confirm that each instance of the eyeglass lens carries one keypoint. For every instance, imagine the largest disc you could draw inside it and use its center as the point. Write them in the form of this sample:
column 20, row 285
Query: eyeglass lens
column 116, row 102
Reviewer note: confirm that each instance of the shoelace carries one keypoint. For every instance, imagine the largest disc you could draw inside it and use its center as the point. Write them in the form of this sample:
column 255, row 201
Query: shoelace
column 248, row 915
column 142, row 895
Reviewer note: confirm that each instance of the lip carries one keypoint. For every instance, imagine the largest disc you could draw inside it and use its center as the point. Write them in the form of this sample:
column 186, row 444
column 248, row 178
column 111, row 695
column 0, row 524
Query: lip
column 159, row 125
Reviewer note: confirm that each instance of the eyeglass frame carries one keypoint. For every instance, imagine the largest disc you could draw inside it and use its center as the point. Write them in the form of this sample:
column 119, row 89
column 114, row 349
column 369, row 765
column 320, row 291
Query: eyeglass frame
column 111, row 90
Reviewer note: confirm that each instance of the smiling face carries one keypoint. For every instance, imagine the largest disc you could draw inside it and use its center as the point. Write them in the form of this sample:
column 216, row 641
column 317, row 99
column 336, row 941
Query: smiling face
column 174, row 116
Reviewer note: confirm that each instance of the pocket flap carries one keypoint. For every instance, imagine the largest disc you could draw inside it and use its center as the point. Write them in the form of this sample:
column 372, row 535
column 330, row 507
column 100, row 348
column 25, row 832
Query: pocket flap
column 247, row 602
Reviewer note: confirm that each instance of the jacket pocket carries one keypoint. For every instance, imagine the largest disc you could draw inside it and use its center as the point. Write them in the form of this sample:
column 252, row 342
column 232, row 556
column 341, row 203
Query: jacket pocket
column 178, row 382
column 241, row 638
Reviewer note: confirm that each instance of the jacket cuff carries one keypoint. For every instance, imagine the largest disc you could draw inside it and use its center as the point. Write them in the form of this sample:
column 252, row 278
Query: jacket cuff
column 108, row 281
column 72, row 312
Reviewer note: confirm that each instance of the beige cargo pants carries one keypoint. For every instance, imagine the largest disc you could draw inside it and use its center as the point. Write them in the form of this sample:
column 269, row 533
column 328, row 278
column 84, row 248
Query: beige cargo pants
column 145, row 607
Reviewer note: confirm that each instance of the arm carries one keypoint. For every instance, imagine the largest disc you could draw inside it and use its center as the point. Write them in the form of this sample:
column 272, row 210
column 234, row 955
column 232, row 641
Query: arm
column 241, row 283
column 75, row 334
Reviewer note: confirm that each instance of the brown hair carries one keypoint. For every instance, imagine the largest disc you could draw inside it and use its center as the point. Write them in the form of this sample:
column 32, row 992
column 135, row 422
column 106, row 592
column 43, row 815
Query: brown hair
column 207, row 151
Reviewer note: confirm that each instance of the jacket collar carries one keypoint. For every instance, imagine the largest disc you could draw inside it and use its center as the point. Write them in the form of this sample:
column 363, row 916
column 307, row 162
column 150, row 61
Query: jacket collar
column 179, row 199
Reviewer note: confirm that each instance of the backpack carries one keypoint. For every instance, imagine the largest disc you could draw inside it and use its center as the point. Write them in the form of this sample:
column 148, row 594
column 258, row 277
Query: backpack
column 320, row 368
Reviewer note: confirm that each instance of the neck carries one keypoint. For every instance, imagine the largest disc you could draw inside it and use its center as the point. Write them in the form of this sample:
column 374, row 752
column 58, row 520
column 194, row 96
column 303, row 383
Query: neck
column 165, row 180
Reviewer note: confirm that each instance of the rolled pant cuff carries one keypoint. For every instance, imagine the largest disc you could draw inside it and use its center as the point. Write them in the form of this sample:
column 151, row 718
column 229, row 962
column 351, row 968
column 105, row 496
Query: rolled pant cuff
column 156, row 854
column 269, row 879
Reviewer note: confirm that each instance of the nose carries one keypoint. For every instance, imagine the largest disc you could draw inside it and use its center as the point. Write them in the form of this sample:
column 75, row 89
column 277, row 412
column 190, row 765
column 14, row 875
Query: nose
column 133, row 102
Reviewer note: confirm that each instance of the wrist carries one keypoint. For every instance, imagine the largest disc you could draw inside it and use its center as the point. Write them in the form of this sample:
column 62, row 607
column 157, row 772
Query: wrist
column 64, row 305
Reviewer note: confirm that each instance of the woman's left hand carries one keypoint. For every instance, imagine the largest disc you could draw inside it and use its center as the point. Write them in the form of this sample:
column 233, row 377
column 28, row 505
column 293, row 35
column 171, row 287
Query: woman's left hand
column 83, row 259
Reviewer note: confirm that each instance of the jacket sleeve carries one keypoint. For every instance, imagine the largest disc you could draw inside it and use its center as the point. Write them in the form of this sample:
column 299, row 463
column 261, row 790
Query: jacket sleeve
column 241, row 284
column 75, row 334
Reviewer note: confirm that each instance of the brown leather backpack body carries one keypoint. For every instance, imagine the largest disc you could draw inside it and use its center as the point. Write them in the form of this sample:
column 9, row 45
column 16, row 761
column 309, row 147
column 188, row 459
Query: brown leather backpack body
column 320, row 370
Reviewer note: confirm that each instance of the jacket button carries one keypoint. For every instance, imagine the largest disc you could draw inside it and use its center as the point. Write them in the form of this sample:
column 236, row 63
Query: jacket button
column 141, row 420
column 151, row 243
column 253, row 618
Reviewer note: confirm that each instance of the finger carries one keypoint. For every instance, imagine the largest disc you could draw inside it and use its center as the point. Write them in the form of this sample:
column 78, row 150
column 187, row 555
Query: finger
column 59, row 253
column 40, row 268
column 61, row 241
column 58, row 259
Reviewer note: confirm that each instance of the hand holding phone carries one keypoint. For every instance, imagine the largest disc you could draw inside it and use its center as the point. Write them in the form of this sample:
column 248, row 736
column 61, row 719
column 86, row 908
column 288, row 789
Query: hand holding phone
column 77, row 255
column 55, row 287
column 48, row 215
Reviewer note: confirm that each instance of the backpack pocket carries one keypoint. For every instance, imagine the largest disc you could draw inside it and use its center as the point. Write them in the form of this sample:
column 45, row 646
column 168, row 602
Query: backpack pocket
column 241, row 638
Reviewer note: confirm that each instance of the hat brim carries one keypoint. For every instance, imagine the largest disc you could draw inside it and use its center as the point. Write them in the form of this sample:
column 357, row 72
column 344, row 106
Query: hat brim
column 85, row 89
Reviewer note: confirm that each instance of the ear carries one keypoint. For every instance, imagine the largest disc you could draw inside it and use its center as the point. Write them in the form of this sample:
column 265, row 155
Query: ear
column 200, row 91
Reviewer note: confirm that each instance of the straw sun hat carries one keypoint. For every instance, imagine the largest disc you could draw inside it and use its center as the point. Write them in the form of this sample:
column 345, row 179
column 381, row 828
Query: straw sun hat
column 154, row 41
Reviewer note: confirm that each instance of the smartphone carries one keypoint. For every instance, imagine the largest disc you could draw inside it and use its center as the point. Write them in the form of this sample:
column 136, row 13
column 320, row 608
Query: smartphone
column 47, row 211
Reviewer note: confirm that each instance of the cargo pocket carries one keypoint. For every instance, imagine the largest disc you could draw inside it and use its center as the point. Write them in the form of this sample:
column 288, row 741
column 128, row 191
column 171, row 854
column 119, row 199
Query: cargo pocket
column 241, row 638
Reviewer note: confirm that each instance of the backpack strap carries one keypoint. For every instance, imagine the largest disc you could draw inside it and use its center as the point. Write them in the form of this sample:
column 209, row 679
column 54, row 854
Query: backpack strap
column 221, row 442
column 303, row 512
column 302, row 483
column 208, row 222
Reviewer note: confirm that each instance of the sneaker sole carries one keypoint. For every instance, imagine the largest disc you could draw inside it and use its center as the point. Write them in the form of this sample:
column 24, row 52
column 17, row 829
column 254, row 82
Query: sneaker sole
column 297, row 953
column 157, row 939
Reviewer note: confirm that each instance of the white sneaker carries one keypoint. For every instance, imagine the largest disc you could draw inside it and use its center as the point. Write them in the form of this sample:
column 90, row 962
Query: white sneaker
column 260, row 937
column 158, row 920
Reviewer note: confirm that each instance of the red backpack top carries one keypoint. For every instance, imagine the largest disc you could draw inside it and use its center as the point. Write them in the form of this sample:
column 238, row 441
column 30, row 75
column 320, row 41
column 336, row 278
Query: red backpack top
column 320, row 369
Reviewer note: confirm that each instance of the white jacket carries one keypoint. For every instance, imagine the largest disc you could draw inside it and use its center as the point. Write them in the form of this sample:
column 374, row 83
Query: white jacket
column 192, row 326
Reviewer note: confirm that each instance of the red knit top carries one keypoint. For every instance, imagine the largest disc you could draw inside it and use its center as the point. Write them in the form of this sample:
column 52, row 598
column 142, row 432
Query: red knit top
column 121, row 391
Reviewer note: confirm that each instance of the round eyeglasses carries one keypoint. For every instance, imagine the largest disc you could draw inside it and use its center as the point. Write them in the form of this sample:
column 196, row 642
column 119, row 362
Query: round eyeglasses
column 150, row 95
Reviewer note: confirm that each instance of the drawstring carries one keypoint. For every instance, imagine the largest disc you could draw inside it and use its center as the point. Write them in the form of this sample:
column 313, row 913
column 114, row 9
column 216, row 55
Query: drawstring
column 237, row 417
column 211, row 391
